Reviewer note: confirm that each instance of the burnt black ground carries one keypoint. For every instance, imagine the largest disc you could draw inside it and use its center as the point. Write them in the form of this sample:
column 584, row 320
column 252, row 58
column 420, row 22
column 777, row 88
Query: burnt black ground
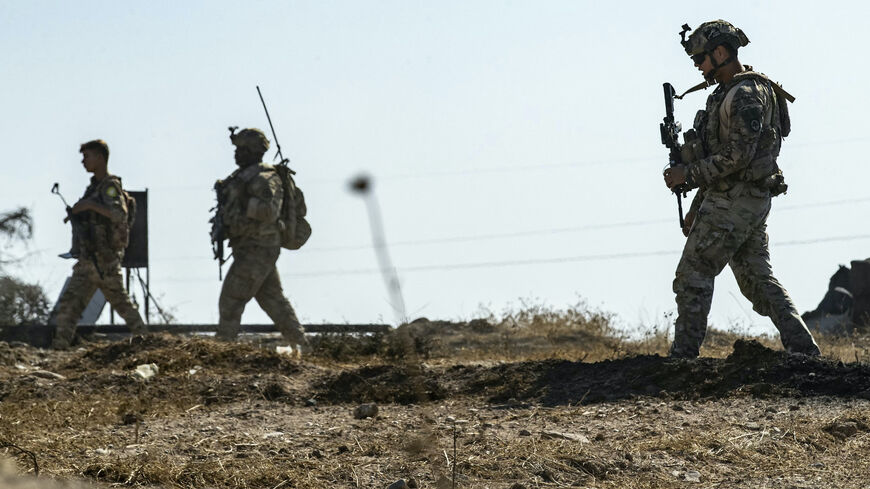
column 751, row 368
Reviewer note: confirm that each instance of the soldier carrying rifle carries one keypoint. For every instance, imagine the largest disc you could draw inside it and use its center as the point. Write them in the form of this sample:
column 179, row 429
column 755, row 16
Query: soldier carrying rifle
column 251, row 214
column 101, row 231
column 730, row 157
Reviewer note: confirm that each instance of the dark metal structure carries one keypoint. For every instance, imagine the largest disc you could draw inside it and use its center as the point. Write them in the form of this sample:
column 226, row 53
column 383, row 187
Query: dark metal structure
column 136, row 254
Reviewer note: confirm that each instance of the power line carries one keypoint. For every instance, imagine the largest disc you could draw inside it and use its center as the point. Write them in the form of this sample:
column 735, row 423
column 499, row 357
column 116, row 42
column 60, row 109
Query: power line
column 515, row 234
column 541, row 261
column 524, row 167
column 797, row 242
column 562, row 230
column 567, row 259
column 537, row 232
column 549, row 166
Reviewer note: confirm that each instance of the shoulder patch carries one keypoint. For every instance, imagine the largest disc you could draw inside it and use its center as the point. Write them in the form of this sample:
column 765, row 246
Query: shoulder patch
column 111, row 191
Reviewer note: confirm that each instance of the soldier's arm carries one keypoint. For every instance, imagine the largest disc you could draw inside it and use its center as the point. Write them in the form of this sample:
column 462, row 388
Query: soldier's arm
column 107, row 201
column 747, row 114
column 266, row 198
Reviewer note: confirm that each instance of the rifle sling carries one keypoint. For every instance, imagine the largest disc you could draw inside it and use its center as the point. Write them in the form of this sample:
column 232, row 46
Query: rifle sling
column 776, row 88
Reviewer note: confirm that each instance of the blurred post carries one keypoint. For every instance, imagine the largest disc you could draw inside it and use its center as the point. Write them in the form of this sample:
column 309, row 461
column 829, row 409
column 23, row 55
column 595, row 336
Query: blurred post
column 362, row 185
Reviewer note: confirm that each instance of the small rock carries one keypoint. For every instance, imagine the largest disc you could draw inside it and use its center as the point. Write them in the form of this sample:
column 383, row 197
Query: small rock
column 364, row 411
column 817, row 465
column 146, row 371
column 311, row 402
column 525, row 433
column 45, row 374
column 274, row 434
column 565, row 436
column 103, row 451
column 693, row 476
column 399, row 484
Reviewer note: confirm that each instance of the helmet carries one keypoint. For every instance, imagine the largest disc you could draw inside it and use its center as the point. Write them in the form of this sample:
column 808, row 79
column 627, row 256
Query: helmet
column 253, row 139
column 711, row 34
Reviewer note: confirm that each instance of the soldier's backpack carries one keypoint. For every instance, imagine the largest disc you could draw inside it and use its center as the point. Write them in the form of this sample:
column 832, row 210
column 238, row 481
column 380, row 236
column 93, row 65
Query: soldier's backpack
column 120, row 233
column 293, row 210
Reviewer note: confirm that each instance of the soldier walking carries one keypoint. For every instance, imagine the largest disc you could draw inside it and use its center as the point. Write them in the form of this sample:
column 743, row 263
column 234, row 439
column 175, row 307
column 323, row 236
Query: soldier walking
column 250, row 210
column 101, row 232
column 736, row 174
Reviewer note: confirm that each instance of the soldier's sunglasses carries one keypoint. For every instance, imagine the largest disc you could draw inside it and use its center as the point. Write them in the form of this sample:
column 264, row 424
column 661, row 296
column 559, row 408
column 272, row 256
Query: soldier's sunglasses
column 699, row 58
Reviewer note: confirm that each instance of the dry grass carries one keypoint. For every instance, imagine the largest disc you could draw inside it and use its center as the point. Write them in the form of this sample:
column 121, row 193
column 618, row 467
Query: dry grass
column 538, row 332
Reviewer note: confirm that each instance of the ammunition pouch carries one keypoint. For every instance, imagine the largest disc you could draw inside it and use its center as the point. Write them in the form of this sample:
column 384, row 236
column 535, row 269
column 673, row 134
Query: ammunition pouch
column 764, row 173
column 760, row 168
column 692, row 150
column 775, row 184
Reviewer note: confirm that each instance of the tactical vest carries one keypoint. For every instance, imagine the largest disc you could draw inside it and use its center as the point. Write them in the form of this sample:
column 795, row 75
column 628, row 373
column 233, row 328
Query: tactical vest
column 713, row 124
column 240, row 229
column 99, row 234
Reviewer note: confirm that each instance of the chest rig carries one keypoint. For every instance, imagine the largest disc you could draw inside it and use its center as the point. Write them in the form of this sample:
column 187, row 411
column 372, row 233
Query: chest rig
column 713, row 124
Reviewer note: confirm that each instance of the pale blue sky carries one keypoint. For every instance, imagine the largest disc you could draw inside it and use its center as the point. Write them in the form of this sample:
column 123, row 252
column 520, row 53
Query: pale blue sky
column 474, row 118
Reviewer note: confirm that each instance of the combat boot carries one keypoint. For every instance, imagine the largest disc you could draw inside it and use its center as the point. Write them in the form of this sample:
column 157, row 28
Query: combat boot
column 60, row 343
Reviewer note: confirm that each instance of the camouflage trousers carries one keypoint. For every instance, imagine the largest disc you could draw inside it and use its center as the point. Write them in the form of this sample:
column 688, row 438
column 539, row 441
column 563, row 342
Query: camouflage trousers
column 730, row 228
column 84, row 283
column 253, row 275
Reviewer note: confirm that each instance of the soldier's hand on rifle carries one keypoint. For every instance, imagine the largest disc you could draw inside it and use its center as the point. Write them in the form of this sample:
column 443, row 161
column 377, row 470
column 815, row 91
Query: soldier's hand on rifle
column 687, row 223
column 89, row 205
column 675, row 175
column 81, row 206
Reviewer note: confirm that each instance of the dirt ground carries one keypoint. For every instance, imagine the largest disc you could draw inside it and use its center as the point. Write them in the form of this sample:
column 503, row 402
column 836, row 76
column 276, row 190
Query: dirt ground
column 558, row 402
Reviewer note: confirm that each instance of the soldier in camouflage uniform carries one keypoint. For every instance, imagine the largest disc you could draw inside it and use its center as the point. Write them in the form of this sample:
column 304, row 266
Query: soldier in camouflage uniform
column 735, row 171
column 251, row 199
column 101, row 234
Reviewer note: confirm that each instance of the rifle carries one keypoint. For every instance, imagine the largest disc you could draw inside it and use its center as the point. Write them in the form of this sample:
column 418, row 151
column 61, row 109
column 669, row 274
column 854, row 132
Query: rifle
column 218, row 229
column 670, row 130
column 77, row 222
column 218, row 233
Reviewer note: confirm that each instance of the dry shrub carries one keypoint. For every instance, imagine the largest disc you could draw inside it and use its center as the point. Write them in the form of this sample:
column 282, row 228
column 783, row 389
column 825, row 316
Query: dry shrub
column 847, row 348
column 537, row 331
